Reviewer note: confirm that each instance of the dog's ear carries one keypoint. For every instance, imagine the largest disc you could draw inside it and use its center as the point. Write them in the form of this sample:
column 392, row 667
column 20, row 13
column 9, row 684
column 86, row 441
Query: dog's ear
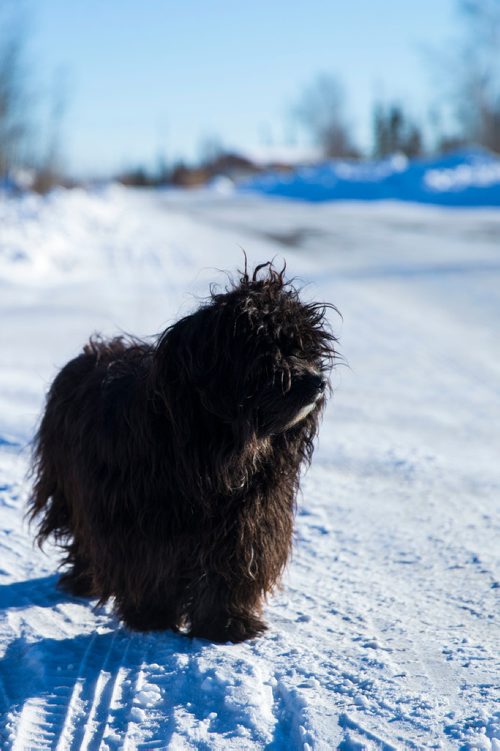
column 191, row 369
column 171, row 378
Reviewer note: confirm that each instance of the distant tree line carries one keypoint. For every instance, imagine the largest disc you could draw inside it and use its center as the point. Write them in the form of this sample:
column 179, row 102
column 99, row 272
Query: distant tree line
column 182, row 175
column 469, row 100
column 469, row 72
column 468, row 112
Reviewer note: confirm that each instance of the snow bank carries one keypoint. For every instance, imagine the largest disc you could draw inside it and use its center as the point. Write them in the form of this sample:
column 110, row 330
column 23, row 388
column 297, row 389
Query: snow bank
column 469, row 178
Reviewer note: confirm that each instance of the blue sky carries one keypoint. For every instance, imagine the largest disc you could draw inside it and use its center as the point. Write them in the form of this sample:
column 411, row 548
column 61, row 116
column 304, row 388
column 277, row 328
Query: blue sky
column 159, row 76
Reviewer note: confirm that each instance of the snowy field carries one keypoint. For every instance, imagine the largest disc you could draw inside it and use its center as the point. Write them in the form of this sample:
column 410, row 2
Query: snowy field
column 383, row 636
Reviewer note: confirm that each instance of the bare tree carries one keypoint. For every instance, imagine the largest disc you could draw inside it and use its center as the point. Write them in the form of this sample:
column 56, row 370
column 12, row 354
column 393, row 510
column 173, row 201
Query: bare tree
column 470, row 72
column 13, row 104
column 210, row 148
column 394, row 131
column 479, row 100
column 49, row 171
column 25, row 139
column 321, row 111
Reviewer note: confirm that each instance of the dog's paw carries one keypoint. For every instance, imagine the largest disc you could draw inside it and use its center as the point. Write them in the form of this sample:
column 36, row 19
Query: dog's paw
column 231, row 629
column 78, row 585
column 147, row 618
column 241, row 629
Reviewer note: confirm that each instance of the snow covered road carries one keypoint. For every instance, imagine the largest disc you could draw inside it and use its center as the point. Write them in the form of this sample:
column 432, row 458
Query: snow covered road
column 384, row 636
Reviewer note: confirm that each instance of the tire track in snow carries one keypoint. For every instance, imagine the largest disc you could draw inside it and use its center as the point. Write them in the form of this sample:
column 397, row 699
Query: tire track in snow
column 33, row 730
column 50, row 721
column 79, row 722
column 135, row 682
column 100, row 676
column 107, row 688
column 36, row 686
column 120, row 699
column 68, row 710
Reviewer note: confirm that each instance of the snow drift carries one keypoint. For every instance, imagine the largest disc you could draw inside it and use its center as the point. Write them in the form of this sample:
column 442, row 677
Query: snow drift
column 468, row 178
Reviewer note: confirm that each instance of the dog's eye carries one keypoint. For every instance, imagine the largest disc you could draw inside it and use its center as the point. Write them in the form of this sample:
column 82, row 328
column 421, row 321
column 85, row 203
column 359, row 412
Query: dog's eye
column 284, row 379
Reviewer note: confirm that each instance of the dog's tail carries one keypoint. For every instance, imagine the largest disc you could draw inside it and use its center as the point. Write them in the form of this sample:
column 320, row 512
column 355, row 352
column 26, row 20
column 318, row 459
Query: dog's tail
column 51, row 451
column 47, row 505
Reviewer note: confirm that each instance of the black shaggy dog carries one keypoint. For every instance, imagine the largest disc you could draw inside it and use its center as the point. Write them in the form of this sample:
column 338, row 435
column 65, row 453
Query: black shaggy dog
column 169, row 471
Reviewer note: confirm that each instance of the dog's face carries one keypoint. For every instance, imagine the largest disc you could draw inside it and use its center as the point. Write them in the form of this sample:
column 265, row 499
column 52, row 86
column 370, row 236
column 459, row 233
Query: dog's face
column 256, row 356
column 289, row 396
column 278, row 358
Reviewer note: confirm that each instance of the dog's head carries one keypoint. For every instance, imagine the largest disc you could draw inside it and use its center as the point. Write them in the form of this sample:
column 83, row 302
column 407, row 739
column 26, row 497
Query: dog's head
column 254, row 357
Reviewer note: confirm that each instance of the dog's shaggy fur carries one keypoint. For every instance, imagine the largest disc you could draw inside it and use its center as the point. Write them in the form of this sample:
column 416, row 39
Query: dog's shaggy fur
column 169, row 471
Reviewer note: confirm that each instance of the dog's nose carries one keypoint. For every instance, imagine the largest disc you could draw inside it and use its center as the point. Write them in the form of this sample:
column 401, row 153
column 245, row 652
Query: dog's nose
column 317, row 382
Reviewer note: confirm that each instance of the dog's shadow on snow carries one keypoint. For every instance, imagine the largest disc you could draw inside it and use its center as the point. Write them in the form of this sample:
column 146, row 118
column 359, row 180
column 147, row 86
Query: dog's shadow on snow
column 155, row 674
column 94, row 667
column 157, row 678
column 42, row 592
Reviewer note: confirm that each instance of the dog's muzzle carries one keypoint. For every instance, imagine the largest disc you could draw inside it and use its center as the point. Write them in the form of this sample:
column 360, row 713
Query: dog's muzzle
column 312, row 387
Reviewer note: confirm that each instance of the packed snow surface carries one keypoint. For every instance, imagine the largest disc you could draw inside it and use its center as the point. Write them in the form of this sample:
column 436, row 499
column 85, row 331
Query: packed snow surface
column 465, row 178
column 383, row 636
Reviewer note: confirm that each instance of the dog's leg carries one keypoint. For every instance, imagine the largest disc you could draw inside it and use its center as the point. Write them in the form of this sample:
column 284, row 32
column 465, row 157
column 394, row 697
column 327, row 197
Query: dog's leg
column 215, row 615
column 153, row 608
column 148, row 616
column 77, row 580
